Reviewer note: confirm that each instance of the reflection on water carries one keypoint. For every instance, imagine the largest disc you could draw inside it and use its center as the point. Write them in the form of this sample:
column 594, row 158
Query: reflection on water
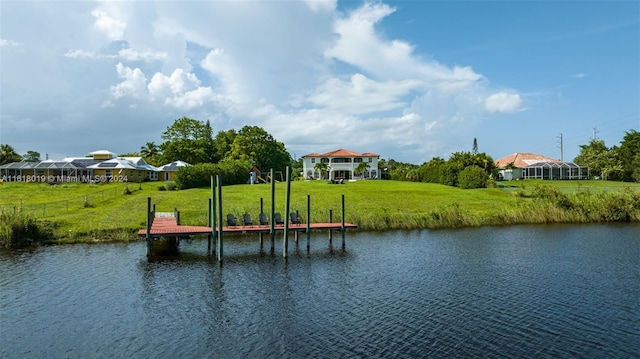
column 525, row 291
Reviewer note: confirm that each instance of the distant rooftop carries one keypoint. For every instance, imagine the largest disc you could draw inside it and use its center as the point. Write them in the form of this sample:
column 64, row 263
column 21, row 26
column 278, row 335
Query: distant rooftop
column 523, row 159
column 342, row 153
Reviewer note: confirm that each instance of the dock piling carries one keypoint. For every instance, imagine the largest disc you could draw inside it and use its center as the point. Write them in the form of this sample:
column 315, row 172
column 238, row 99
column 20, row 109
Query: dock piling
column 272, row 228
column 212, row 209
column 209, row 214
column 285, row 241
column 149, row 220
column 330, row 230
column 342, row 226
column 220, row 242
column 308, row 222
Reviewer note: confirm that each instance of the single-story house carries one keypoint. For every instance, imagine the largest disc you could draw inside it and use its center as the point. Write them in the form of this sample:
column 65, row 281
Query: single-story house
column 534, row 166
column 340, row 164
column 168, row 171
column 125, row 169
column 99, row 166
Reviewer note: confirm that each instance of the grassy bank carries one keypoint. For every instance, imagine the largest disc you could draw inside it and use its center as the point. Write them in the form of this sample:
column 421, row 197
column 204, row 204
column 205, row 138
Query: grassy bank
column 102, row 212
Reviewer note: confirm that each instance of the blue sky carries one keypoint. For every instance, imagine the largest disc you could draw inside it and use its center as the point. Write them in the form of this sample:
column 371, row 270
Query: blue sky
column 409, row 80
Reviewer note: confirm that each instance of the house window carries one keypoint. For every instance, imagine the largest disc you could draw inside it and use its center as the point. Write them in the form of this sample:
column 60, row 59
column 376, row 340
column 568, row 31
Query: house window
column 370, row 159
column 357, row 160
column 313, row 160
column 324, row 160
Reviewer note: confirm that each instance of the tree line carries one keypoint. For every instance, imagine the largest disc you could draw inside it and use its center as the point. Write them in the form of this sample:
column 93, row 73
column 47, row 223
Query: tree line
column 617, row 163
column 235, row 152
column 463, row 169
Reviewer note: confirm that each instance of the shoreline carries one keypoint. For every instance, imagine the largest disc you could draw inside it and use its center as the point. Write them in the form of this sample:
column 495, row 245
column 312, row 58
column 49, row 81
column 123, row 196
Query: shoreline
column 82, row 213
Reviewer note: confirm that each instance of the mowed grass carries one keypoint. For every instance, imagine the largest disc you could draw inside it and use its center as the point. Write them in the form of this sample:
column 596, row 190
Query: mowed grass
column 83, row 212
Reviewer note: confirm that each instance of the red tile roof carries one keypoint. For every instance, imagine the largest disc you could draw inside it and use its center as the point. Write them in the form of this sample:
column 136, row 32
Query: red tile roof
column 342, row 153
column 522, row 160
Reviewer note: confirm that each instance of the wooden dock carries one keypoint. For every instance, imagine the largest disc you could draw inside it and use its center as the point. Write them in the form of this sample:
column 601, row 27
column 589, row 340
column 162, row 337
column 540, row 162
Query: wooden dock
column 167, row 226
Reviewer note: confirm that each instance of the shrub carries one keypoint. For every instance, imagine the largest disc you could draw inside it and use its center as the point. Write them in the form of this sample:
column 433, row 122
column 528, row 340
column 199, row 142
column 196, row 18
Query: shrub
column 472, row 177
column 21, row 230
column 199, row 175
column 552, row 195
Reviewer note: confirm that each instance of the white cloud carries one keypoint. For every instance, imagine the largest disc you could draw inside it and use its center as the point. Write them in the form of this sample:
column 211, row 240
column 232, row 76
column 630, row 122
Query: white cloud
column 112, row 28
column 361, row 95
column 123, row 55
column 322, row 5
column 580, row 75
column 134, row 83
column 9, row 43
column 503, row 102
column 278, row 65
column 222, row 66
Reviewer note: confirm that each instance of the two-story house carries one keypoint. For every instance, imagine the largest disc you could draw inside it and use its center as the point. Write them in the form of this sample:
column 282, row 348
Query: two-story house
column 340, row 164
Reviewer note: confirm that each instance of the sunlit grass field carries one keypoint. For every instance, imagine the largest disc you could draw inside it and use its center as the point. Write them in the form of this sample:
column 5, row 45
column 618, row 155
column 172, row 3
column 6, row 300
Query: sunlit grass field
column 84, row 212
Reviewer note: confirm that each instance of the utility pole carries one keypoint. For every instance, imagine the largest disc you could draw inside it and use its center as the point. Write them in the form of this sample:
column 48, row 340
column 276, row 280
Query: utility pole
column 593, row 136
column 561, row 149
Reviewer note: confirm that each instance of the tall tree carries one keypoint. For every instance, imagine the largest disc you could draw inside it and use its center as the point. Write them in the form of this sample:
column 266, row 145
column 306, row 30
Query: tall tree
column 596, row 156
column 188, row 140
column 256, row 145
column 629, row 155
column 475, row 146
column 222, row 144
column 8, row 154
column 31, row 156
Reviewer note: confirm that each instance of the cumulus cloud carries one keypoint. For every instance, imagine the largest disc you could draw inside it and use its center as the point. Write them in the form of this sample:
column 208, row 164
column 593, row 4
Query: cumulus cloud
column 110, row 27
column 503, row 102
column 134, row 83
column 275, row 65
column 361, row 95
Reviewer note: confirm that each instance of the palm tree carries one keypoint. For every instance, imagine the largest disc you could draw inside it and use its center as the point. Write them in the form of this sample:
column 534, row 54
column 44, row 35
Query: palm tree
column 149, row 152
column 321, row 167
column 362, row 168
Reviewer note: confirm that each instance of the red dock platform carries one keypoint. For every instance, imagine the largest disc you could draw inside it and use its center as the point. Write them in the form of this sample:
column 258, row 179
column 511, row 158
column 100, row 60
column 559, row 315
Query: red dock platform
column 168, row 226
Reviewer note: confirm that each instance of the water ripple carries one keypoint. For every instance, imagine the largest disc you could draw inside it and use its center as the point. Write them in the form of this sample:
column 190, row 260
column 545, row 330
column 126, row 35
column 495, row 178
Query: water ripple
column 525, row 292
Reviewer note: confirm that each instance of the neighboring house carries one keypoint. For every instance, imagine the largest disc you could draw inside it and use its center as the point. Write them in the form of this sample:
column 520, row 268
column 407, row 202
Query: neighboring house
column 125, row 169
column 100, row 165
column 168, row 171
column 341, row 164
column 535, row 166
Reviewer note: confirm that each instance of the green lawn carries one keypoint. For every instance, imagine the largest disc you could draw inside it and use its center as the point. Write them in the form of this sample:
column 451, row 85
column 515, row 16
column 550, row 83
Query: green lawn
column 84, row 211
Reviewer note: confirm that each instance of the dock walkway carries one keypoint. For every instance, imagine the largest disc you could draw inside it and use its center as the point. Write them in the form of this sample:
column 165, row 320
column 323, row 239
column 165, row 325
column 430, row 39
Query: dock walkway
column 165, row 224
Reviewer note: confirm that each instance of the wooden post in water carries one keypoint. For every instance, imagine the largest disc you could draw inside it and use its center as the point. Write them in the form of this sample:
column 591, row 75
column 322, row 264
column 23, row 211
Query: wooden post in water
column 308, row 222
column 214, row 231
column 220, row 241
column 330, row 230
column 285, row 240
column 342, row 226
column 272, row 228
column 209, row 214
column 295, row 233
column 259, row 214
column 148, row 236
column 176, row 214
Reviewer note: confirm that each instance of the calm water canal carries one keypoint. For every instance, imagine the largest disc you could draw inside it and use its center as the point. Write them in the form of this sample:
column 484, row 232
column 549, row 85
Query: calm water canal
column 512, row 292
